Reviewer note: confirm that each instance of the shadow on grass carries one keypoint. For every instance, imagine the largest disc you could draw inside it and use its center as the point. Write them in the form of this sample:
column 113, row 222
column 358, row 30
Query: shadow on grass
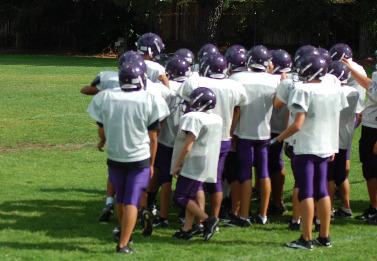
column 55, row 60
column 43, row 246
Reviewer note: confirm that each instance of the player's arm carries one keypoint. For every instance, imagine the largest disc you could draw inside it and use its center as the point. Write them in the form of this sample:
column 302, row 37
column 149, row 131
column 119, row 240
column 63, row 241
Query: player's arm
column 360, row 78
column 101, row 135
column 293, row 128
column 153, row 148
column 189, row 141
column 164, row 79
column 92, row 88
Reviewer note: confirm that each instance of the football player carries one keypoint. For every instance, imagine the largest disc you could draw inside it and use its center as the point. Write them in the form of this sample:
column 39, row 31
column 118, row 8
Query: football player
column 253, row 131
column 150, row 45
column 368, row 139
column 131, row 142
column 316, row 127
column 229, row 96
column 195, row 158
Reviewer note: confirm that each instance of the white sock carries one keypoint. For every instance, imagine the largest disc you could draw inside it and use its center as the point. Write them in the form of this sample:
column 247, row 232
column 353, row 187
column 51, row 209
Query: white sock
column 296, row 221
column 109, row 201
column 263, row 218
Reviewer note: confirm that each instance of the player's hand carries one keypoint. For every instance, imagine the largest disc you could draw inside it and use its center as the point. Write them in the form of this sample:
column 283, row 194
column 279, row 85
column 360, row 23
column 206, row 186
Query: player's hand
column 332, row 158
column 375, row 148
column 347, row 63
column 101, row 144
column 176, row 171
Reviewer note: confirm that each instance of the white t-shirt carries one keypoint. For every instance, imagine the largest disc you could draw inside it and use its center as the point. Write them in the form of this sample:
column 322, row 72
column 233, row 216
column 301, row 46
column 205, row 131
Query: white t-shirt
column 108, row 80
column 322, row 104
column 126, row 117
column 369, row 118
column 229, row 94
column 353, row 83
column 169, row 128
column 201, row 162
column 154, row 70
column 347, row 117
column 254, row 123
column 162, row 94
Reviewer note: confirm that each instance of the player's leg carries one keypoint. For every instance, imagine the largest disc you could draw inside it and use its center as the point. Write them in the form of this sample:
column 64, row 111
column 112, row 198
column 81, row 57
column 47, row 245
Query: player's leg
column 261, row 166
column 342, row 182
column 108, row 210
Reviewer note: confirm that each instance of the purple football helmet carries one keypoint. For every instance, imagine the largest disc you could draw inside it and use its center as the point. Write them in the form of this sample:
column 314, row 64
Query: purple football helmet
column 130, row 57
column 259, row 57
column 178, row 69
column 325, row 54
column 151, row 44
column 202, row 99
column 236, row 61
column 207, row 49
column 305, row 50
column 235, row 49
column 132, row 77
column 312, row 67
column 340, row 70
column 340, row 51
column 185, row 54
column 282, row 61
column 215, row 66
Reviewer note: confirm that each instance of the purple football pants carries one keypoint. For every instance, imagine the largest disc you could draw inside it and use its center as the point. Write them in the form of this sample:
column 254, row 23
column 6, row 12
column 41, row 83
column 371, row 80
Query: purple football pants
column 129, row 184
column 186, row 190
column 249, row 151
column 311, row 175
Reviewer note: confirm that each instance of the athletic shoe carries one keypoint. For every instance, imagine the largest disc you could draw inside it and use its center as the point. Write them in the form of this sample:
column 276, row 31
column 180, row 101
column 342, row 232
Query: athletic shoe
column 323, row 241
column 276, row 210
column 106, row 214
column 153, row 209
column 197, row 229
column 116, row 234
column 185, row 235
column 342, row 214
column 210, row 225
column 124, row 250
column 238, row 222
column 294, row 226
column 160, row 222
column 368, row 214
column 259, row 220
column 147, row 220
column 373, row 220
column 301, row 243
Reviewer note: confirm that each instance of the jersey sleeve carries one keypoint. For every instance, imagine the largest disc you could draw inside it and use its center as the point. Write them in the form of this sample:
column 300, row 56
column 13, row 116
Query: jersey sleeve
column 159, row 110
column 283, row 89
column 187, row 87
column 95, row 107
column 299, row 101
column 191, row 124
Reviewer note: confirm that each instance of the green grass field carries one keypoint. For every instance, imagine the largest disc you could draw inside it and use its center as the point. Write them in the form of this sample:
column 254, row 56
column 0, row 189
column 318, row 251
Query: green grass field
column 53, row 182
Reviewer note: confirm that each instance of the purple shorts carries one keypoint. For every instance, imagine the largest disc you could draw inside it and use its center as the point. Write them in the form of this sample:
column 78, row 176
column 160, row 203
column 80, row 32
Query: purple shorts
column 186, row 190
column 311, row 174
column 218, row 186
column 337, row 168
column 162, row 163
column 275, row 157
column 249, row 151
column 129, row 184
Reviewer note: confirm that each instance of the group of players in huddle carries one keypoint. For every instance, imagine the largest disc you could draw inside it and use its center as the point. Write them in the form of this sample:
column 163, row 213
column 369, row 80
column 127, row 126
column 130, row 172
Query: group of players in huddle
column 209, row 123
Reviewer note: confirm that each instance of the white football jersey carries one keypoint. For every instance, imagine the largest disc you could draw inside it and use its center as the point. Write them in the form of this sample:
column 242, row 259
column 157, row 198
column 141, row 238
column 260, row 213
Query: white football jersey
column 108, row 80
column 154, row 70
column 201, row 162
column 169, row 128
column 347, row 117
column 126, row 117
column 279, row 118
column 254, row 123
column 353, row 83
column 229, row 94
column 322, row 104
column 162, row 94
column 369, row 118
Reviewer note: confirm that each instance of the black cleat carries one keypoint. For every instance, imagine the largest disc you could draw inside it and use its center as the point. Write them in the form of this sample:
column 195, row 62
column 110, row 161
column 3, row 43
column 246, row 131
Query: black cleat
column 160, row 222
column 342, row 214
column 238, row 222
column 210, row 225
column 124, row 250
column 300, row 244
column 368, row 214
column 106, row 214
column 323, row 241
column 185, row 235
column 197, row 229
column 294, row 226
